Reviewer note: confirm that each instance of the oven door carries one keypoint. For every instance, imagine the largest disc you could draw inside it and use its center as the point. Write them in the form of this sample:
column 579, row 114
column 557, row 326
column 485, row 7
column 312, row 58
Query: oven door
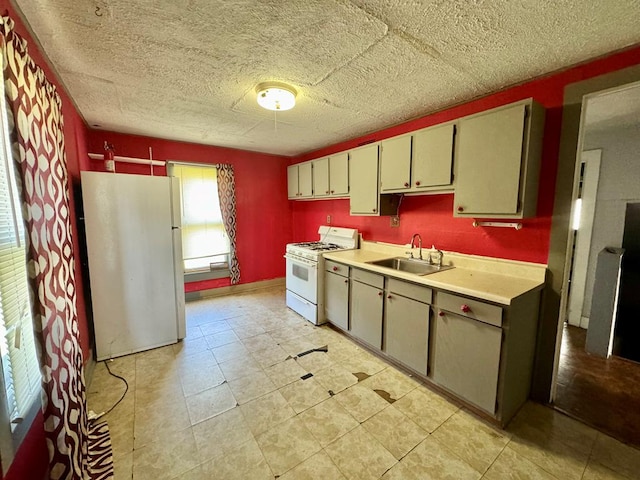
column 302, row 277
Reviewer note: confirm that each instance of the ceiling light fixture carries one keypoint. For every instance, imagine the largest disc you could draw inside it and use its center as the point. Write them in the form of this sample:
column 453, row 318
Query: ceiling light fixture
column 276, row 96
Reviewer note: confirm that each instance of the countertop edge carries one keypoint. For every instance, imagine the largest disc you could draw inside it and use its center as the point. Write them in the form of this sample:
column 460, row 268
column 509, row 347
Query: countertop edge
column 438, row 280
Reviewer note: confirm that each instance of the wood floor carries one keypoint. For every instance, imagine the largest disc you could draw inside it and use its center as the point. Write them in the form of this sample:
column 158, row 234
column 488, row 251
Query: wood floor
column 604, row 393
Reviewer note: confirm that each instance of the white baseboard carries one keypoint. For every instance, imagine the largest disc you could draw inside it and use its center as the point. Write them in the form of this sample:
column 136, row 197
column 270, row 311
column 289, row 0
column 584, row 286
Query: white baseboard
column 235, row 289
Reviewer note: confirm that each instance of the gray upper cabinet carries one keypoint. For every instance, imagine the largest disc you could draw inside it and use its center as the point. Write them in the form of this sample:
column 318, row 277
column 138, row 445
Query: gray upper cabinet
column 292, row 182
column 420, row 162
column 433, row 158
column 395, row 164
column 498, row 162
column 339, row 174
column 300, row 181
column 363, row 175
column 321, row 177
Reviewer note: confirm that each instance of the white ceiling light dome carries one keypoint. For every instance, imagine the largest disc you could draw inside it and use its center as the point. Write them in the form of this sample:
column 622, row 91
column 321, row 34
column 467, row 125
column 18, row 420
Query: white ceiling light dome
column 276, row 96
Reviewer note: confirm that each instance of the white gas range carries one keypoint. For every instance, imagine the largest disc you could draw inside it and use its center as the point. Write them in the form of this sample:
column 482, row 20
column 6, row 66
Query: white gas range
column 305, row 268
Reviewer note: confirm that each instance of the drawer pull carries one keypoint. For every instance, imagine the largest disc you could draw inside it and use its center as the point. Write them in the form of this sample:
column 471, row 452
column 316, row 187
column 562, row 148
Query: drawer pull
column 346, row 281
column 335, row 269
column 406, row 184
column 418, row 183
column 441, row 313
column 379, row 294
column 461, row 209
column 389, row 297
column 465, row 308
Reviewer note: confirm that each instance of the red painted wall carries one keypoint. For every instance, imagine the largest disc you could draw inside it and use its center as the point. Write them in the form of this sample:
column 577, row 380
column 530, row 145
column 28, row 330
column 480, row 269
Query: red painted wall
column 32, row 459
column 432, row 216
column 263, row 211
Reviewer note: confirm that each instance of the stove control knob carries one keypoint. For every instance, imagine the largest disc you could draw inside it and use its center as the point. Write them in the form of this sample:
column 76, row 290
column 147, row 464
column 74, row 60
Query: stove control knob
column 465, row 308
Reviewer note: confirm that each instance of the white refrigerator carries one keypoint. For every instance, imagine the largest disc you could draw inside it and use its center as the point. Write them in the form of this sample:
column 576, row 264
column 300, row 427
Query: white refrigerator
column 134, row 246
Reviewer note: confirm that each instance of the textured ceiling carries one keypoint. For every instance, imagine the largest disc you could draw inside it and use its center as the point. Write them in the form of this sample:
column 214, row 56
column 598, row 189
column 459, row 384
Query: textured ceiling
column 187, row 69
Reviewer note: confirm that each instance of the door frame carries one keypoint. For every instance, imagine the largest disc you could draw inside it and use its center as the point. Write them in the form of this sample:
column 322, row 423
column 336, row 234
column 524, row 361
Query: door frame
column 579, row 256
column 589, row 90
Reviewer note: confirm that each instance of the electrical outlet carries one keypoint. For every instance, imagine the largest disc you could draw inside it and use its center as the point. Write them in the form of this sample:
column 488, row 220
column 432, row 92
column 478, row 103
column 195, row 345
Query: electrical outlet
column 328, row 219
column 395, row 221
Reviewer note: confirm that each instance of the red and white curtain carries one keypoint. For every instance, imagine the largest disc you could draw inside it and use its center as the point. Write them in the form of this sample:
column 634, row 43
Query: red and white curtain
column 34, row 111
column 227, row 196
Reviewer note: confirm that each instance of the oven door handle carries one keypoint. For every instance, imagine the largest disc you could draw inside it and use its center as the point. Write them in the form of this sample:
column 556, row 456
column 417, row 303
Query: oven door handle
column 302, row 261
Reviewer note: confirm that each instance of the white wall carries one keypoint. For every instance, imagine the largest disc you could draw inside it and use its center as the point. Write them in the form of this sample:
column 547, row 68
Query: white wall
column 619, row 184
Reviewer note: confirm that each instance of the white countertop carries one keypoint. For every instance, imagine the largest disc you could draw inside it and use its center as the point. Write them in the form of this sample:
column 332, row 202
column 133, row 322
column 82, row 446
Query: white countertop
column 480, row 282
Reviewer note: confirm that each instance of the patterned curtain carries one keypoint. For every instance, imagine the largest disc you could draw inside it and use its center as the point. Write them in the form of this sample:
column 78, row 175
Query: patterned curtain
column 227, row 195
column 34, row 111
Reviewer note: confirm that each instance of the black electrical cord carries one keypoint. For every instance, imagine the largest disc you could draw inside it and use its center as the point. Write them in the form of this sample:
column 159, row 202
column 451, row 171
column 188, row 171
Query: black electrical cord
column 126, row 384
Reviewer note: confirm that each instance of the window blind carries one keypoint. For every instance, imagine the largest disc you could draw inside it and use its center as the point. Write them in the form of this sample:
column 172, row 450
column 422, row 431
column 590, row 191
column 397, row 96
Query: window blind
column 204, row 239
column 17, row 344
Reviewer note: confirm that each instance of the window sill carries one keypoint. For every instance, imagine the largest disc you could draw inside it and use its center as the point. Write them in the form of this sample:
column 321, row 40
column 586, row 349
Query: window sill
column 208, row 275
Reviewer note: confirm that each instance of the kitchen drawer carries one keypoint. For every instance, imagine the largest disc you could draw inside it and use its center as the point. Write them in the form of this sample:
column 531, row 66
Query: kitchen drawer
column 337, row 268
column 467, row 307
column 410, row 290
column 369, row 278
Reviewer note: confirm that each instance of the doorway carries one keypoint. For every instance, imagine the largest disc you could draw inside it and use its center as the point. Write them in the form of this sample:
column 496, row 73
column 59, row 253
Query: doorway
column 604, row 392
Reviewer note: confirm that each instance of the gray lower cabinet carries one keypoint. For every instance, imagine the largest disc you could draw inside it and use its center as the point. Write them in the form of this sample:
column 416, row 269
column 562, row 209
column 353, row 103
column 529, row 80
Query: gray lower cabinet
column 336, row 303
column 366, row 307
column 466, row 358
column 406, row 336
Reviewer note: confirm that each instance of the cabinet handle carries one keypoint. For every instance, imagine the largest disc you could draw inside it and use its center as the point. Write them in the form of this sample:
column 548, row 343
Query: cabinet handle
column 389, row 297
column 374, row 210
column 379, row 294
column 346, row 281
column 441, row 313
column 465, row 308
column 460, row 209
column 406, row 184
column 327, row 191
column 335, row 269
column 418, row 183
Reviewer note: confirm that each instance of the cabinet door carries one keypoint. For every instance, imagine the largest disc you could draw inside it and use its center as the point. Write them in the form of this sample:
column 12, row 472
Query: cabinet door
column 321, row 177
column 336, row 302
column 395, row 164
column 339, row 174
column 466, row 358
column 432, row 157
column 363, row 176
column 489, row 163
column 406, row 336
column 366, row 313
column 292, row 181
column 305, row 179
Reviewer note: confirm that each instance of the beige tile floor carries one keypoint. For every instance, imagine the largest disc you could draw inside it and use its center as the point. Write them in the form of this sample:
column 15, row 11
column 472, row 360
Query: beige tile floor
column 228, row 403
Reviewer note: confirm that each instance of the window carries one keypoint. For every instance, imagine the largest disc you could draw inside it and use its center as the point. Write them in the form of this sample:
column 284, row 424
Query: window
column 205, row 244
column 20, row 368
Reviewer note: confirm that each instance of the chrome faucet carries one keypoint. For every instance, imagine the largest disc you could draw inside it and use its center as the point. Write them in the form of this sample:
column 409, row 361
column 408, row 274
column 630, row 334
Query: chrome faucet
column 439, row 254
column 413, row 239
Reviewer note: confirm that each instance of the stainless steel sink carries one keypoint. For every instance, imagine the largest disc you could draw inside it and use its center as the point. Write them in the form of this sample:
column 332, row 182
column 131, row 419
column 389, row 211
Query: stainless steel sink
column 410, row 265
